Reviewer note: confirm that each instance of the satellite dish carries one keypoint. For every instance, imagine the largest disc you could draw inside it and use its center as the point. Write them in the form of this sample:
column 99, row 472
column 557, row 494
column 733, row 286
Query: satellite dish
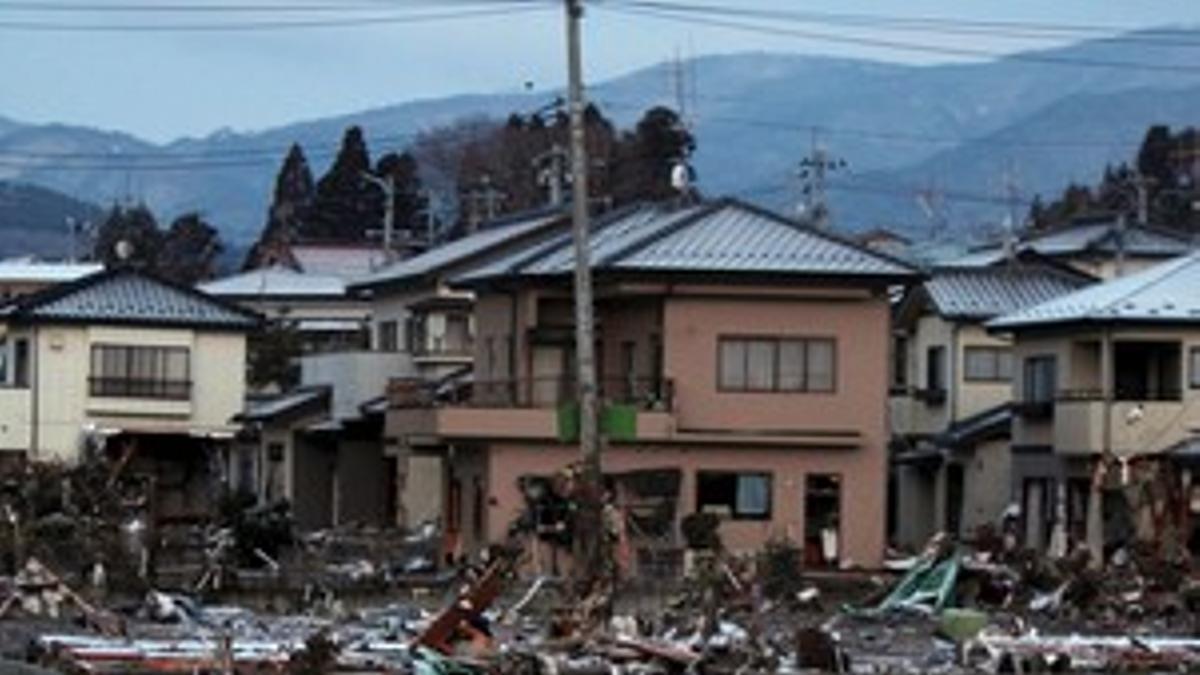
column 124, row 250
column 681, row 177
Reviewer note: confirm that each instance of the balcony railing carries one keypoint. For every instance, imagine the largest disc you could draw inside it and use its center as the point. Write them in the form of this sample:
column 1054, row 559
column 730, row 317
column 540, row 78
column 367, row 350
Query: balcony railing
column 446, row 350
column 644, row 393
column 124, row 387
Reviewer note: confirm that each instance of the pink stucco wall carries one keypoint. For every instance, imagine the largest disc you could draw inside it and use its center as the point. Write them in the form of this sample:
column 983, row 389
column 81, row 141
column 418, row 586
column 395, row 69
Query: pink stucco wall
column 862, row 492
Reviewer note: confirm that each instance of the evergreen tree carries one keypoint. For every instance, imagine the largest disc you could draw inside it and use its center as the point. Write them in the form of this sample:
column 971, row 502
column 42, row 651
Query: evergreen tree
column 345, row 205
column 290, row 206
column 190, row 250
column 409, row 205
column 648, row 156
column 137, row 228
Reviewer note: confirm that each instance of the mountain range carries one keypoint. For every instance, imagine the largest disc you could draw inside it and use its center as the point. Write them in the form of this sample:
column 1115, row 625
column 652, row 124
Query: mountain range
column 960, row 134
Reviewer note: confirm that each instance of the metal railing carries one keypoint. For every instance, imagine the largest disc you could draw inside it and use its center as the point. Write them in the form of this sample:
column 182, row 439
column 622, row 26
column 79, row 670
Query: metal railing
column 644, row 393
column 124, row 387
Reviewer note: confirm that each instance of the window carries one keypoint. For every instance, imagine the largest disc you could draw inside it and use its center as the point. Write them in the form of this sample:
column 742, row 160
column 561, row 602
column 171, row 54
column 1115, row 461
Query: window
column 20, row 374
column 458, row 334
column 900, row 361
column 987, row 364
column 1040, row 379
column 389, row 338
column 740, row 496
column 935, row 368
column 140, row 372
column 776, row 364
column 1194, row 367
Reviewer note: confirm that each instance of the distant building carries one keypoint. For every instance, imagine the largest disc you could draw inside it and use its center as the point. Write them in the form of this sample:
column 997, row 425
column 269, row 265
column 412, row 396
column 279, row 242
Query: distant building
column 1099, row 246
column 22, row 276
column 124, row 364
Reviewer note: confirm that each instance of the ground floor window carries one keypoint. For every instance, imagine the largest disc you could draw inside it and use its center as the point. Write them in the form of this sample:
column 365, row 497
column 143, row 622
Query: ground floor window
column 735, row 495
column 822, row 519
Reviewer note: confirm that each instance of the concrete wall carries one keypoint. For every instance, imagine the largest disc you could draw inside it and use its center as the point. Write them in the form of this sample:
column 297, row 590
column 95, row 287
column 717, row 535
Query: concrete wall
column 987, row 484
column 355, row 377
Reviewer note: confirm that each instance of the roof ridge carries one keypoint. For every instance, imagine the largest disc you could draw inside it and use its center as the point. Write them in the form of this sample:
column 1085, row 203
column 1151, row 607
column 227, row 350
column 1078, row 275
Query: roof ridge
column 545, row 249
column 702, row 210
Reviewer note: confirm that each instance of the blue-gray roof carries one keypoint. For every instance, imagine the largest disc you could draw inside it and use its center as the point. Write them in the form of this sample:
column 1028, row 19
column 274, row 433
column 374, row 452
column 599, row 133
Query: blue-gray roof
column 987, row 292
column 1165, row 293
column 128, row 297
column 1093, row 236
column 723, row 236
column 278, row 281
column 491, row 238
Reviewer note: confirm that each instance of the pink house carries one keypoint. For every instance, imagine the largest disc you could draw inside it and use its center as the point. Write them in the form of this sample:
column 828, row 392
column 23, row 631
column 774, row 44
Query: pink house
column 743, row 363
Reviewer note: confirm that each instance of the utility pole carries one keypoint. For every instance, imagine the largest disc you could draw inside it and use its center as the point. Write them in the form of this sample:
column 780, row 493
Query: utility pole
column 1014, row 199
column 814, row 172
column 486, row 195
column 388, row 185
column 589, row 534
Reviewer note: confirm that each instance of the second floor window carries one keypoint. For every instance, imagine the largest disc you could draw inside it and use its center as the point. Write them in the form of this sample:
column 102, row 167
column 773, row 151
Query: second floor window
column 776, row 364
column 1041, row 379
column 987, row 364
column 389, row 336
column 899, row 361
column 1194, row 367
column 935, row 368
column 140, row 372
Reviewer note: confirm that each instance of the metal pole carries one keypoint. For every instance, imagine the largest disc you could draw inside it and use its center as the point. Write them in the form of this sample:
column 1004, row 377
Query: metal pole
column 388, row 186
column 589, row 535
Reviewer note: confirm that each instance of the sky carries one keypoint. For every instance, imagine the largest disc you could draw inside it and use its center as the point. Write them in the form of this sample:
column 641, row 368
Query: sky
column 164, row 85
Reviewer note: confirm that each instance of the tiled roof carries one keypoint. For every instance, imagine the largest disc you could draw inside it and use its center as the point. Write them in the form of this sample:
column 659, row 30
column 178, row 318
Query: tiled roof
column 276, row 281
column 988, row 292
column 1164, row 293
column 338, row 260
column 725, row 236
column 1099, row 236
column 29, row 270
column 492, row 237
column 127, row 296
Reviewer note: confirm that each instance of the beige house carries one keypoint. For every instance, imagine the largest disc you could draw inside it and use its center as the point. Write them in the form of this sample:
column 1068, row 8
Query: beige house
column 742, row 361
column 126, row 365
column 1108, row 375
column 951, row 392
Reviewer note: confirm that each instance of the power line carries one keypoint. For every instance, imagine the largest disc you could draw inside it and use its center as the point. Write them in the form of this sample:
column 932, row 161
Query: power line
column 497, row 9
column 226, row 7
column 925, row 24
column 633, row 7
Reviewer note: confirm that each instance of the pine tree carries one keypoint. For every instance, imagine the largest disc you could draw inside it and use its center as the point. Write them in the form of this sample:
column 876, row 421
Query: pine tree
column 290, row 207
column 648, row 156
column 345, row 205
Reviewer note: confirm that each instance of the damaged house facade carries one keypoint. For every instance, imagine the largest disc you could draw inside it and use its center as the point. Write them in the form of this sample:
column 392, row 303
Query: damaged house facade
column 742, row 361
column 123, row 363
column 1107, row 388
column 951, row 393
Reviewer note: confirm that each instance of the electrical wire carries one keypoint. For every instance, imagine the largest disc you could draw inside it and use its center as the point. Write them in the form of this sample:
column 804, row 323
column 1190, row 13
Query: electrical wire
column 632, row 8
column 495, row 9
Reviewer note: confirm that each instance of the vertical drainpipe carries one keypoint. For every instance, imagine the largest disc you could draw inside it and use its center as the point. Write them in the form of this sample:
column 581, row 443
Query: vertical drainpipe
column 952, row 374
column 513, row 349
column 35, row 437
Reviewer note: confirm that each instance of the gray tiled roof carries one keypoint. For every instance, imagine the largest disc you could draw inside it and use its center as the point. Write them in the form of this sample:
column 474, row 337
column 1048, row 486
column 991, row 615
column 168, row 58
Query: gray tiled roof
column 1164, row 293
column 1091, row 236
column 988, row 292
column 127, row 297
column 460, row 250
column 718, row 236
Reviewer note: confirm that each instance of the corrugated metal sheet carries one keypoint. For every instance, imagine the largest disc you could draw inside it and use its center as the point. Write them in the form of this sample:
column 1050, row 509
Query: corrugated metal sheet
column 126, row 296
column 1167, row 292
column 458, row 250
column 988, row 292
column 719, row 236
column 276, row 281
column 345, row 261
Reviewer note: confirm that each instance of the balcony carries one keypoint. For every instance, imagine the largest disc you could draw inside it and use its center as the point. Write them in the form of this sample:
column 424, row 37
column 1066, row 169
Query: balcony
column 125, row 387
column 529, row 408
column 1140, row 426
